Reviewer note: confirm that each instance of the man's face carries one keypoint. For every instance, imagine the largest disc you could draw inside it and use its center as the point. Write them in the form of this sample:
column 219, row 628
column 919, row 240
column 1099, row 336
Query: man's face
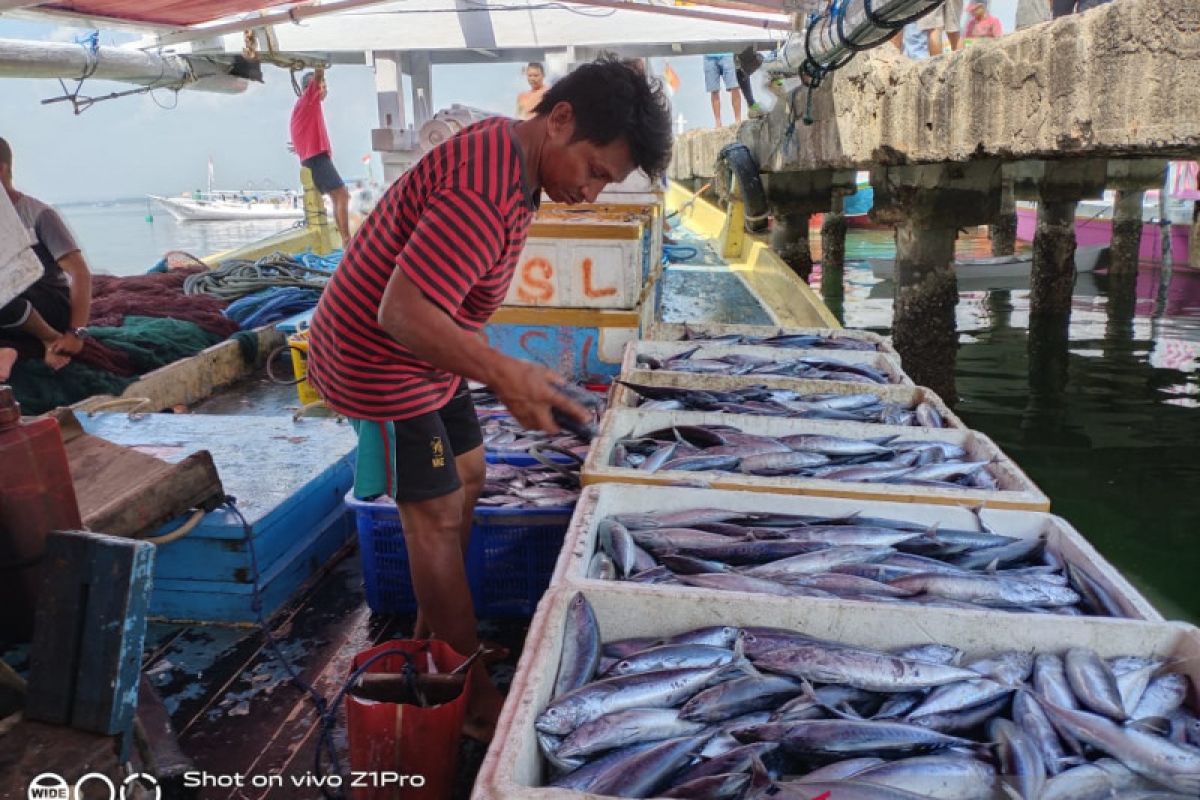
column 535, row 77
column 5, row 173
column 577, row 171
column 980, row 11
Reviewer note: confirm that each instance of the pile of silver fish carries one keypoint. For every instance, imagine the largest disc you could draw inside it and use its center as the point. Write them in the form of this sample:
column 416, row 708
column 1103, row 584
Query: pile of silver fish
column 503, row 434
column 725, row 713
column 801, row 341
column 511, row 486
column 855, row 557
column 817, row 368
column 766, row 402
column 724, row 448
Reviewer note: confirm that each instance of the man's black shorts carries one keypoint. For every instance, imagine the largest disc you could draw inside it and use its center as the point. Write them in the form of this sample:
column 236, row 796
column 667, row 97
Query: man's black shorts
column 426, row 446
column 324, row 174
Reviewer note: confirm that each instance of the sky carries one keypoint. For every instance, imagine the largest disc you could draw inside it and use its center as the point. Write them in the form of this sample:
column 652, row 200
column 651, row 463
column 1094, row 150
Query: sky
column 161, row 143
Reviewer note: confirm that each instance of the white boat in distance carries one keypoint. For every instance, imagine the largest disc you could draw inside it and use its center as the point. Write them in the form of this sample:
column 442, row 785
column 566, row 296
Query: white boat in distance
column 1087, row 259
column 201, row 206
column 240, row 204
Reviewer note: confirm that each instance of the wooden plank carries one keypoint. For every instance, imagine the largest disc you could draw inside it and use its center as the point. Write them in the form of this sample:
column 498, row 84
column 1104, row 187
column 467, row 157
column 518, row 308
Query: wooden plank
column 191, row 380
column 32, row 748
column 124, row 492
column 89, row 631
column 166, row 760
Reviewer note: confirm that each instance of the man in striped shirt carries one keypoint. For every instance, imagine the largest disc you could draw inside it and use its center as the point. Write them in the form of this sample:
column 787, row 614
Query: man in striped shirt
column 397, row 333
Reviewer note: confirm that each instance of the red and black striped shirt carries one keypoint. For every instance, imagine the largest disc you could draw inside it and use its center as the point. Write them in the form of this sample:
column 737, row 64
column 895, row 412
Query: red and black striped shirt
column 456, row 224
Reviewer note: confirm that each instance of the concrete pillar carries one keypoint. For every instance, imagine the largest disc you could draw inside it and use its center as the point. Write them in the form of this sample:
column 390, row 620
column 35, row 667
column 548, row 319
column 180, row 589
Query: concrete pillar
column 420, row 70
column 923, row 328
column 1121, row 309
column 1053, row 276
column 833, row 258
column 1004, row 229
column 833, row 235
column 1126, row 232
column 789, row 239
column 1049, row 362
column 389, row 90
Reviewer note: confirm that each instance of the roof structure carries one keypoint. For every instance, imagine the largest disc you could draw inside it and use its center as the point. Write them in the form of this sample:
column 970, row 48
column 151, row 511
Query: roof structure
column 476, row 31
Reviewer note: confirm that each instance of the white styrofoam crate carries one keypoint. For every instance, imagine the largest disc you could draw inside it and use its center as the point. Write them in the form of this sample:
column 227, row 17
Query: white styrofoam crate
column 677, row 332
column 513, row 769
column 1016, row 489
column 887, row 364
column 599, row 502
column 905, row 394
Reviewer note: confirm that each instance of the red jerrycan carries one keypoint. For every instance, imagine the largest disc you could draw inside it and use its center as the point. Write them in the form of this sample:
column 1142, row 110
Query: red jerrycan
column 406, row 750
column 36, row 496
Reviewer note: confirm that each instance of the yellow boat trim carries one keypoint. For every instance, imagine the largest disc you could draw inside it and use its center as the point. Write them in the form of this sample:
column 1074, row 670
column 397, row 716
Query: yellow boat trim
column 789, row 300
column 574, row 317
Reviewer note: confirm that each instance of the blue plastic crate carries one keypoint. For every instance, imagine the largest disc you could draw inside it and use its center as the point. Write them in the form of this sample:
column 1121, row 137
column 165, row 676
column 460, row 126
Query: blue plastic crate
column 509, row 563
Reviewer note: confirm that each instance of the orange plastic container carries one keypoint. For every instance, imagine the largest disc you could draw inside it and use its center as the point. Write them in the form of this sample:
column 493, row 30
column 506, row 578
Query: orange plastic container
column 36, row 496
column 393, row 743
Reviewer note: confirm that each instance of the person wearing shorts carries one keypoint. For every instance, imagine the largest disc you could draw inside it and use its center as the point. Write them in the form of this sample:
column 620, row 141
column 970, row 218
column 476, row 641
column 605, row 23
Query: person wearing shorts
column 397, row 332
column 948, row 18
column 310, row 140
column 719, row 68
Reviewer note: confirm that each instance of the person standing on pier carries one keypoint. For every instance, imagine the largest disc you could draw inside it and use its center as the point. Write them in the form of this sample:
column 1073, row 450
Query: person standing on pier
column 527, row 101
column 948, row 18
column 719, row 68
column 310, row 141
column 47, row 320
column 982, row 25
column 397, row 333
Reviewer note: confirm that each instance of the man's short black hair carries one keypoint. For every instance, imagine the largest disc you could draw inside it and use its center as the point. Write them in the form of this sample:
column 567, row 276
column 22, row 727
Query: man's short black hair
column 613, row 100
column 536, row 65
column 5, row 152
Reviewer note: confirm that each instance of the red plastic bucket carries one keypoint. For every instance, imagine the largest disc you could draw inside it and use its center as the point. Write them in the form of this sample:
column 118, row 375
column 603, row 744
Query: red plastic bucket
column 391, row 744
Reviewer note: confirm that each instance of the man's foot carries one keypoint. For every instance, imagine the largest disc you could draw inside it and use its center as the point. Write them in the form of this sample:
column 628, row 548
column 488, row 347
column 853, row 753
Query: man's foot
column 8, row 357
column 756, row 111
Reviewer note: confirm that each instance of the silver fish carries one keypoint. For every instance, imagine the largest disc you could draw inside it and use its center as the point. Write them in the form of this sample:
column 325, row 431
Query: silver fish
column 1105, row 779
column 615, row 539
column 673, row 656
column 740, row 696
column 862, row 669
column 1030, row 717
column 841, row 737
column 849, row 789
column 1020, row 759
column 946, row 777
column 642, row 774
column 781, row 463
column 737, row 760
column 839, row 770
column 988, row 590
column 1163, row 695
column 661, row 689
column 821, row 561
column 581, row 647
column 548, row 745
column 623, row 728
column 601, row 567
column 1093, row 683
column 733, row 582
column 1050, row 681
column 1171, row 765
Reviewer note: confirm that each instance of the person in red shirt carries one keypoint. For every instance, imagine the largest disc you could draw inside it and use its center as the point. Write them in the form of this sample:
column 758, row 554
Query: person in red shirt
column 982, row 25
column 310, row 140
column 397, row 333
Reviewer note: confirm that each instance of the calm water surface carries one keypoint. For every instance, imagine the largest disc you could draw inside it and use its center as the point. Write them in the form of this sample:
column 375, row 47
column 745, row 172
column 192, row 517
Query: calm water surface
column 119, row 240
column 1105, row 417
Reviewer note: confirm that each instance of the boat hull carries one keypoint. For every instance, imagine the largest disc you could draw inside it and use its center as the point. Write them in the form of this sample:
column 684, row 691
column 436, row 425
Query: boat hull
column 1097, row 231
column 186, row 210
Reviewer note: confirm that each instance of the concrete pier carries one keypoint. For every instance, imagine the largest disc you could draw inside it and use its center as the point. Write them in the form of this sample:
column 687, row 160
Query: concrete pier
column 833, row 236
column 789, row 238
column 1126, row 231
column 924, row 328
column 1004, row 230
column 1053, row 276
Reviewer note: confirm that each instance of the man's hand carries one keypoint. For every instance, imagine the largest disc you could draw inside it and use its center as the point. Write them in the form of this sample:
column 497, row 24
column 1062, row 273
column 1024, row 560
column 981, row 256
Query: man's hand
column 68, row 344
column 56, row 361
column 529, row 391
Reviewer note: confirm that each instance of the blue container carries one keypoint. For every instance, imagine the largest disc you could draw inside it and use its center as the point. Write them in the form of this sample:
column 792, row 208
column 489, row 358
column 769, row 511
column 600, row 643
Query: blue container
column 509, row 563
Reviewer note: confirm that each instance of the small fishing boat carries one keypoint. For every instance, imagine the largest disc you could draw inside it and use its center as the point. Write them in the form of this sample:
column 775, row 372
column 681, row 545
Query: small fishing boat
column 233, row 205
column 996, row 267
